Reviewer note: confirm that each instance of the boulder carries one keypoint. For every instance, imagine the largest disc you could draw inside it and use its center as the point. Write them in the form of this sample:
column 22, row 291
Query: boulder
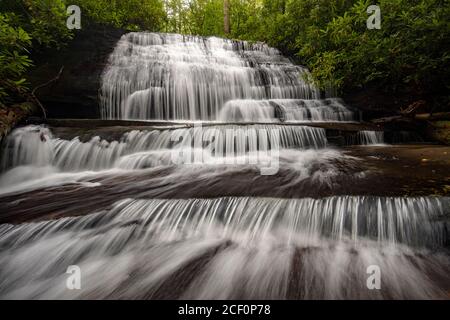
column 76, row 93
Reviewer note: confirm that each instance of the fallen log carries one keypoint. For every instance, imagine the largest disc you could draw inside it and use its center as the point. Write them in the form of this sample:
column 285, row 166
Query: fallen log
column 433, row 116
column 421, row 116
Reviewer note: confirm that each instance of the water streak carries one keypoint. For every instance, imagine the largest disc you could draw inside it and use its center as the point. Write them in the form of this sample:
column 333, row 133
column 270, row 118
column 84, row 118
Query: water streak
column 369, row 137
column 142, row 246
column 287, row 110
column 36, row 145
column 166, row 76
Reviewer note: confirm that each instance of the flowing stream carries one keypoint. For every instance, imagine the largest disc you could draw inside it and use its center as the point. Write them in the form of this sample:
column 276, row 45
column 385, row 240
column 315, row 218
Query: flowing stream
column 202, row 211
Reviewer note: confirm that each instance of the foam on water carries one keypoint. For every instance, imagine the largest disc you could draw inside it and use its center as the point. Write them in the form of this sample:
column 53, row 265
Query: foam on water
column 232, row 248
column 35, row 145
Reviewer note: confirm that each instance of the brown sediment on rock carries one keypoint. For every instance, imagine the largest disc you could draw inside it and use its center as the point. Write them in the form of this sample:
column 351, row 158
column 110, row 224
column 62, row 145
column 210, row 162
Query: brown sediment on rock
column 411, row 170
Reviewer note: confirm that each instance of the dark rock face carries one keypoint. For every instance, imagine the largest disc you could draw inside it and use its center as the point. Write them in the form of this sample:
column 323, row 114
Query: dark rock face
column 375, row 103
column 76, row 93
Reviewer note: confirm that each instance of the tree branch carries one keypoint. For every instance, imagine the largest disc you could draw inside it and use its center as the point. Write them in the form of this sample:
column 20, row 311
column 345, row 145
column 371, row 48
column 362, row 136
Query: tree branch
column 33, row 95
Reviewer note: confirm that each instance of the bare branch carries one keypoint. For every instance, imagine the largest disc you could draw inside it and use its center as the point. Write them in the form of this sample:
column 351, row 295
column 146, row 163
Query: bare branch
column 33, row 95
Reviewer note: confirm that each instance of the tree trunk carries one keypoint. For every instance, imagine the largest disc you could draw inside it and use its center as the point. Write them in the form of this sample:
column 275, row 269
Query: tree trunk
column 226, row 17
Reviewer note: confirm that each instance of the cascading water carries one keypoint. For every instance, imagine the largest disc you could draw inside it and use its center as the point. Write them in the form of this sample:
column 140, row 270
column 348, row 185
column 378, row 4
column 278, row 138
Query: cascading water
column 370, row 137
column 140, row 225
column 367, row 137
column 289, row 110
column 232, row 248
column 156, row 76
column 35, row 145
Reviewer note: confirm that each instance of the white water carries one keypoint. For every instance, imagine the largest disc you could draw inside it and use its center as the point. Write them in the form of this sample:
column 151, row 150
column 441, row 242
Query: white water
column 35, row 145
column 288, row 110
column 166, row 76
column 135, row 246
column 370, row 137
column 260, row 243
column 34, row 158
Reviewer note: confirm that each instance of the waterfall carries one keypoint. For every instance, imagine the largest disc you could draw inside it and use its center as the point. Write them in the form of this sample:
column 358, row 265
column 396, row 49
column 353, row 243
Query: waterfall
column 370, row 137
column 186, row 210
column 36, row 145
column 290, row 110
column 413, row 221
column 166, row 76
column 262, row 243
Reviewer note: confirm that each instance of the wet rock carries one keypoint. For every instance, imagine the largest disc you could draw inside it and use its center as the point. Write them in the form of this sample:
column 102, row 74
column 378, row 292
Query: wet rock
column 11, row 115
column 75, row 94
column 440, row 131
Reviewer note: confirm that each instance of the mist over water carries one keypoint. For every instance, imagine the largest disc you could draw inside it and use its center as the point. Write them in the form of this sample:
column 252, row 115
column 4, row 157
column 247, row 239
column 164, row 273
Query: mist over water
column 141, row 226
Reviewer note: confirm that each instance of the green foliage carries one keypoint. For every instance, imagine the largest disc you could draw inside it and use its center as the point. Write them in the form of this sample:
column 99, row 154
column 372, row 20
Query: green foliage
column 24, row 25
column 204, row 17
column 14, row 60
column 27, row 25
column 331, row 37
column 43, row 20
column 199, row 17
column 46, row 22
column 410, row 48
column 132, row 15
